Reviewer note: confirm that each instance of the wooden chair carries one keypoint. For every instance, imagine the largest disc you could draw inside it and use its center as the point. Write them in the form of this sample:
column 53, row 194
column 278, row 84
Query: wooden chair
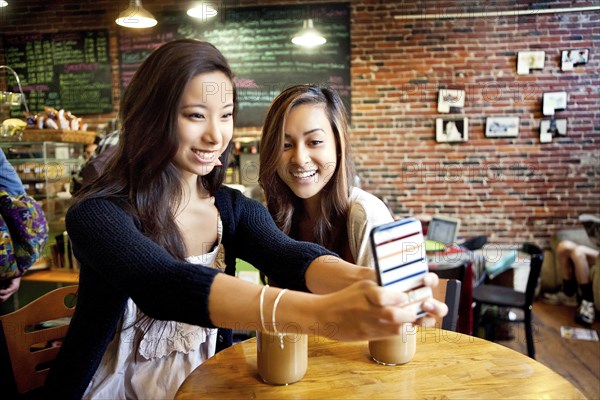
column 502, row 296
column 28, row 336
column 448, row 291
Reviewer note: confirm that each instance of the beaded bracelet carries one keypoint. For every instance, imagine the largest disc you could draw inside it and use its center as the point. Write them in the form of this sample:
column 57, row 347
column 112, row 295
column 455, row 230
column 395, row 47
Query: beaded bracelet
column 274, row 323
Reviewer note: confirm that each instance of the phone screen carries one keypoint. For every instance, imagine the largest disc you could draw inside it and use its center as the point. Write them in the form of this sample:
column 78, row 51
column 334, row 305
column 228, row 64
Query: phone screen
column 400, row 258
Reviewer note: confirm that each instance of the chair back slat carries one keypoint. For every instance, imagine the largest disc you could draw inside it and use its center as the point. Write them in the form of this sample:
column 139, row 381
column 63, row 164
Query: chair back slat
column 450, row 321
column 534, row 274
column 439, row 293
column 448, row 291
column 535, row 269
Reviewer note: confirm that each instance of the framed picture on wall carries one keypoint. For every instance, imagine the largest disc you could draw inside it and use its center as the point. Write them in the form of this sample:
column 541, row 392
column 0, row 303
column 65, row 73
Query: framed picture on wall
column 554, row 101
column 572, row 58
column 498, row 127
column 545, row 137
column 450, row 100
column 528, row 60
column 553, row 127
column 451, row 130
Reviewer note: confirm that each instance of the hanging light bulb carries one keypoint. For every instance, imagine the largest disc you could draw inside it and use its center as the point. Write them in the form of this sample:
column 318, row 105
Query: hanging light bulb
column 308, row 36
column 135, row 16
column 203, row 11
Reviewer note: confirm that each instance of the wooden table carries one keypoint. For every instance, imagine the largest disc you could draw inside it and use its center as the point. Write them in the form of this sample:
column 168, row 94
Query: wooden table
column 447, row 365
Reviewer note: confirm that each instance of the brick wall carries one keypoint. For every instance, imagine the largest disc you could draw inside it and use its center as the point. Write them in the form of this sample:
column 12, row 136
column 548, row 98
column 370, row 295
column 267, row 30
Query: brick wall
column 511, row 189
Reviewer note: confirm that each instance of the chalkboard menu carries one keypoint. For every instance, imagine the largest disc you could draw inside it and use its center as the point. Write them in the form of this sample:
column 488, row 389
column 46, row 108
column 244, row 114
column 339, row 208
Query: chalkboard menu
column 68, row 70
column 257, row 44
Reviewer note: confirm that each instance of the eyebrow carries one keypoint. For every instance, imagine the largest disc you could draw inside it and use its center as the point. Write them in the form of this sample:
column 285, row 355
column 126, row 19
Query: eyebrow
column 308, row 132
column 203, row 106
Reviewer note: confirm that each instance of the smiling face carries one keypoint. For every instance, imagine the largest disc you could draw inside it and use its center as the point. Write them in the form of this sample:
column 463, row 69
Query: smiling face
column 204, row 123
column 308, row 160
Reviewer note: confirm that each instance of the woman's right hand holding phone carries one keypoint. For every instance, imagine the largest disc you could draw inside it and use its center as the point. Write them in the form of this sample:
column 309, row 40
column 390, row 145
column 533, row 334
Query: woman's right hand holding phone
column 366, row 311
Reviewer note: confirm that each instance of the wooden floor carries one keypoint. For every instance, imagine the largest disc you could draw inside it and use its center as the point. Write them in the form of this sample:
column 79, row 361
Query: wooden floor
column 576, row 360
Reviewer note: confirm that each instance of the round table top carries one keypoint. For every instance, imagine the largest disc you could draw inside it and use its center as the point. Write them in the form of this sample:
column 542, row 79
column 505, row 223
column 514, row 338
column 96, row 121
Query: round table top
column 447, row 365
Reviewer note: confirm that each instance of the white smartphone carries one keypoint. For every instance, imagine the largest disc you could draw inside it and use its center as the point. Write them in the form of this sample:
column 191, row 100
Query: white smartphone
column 400, row 259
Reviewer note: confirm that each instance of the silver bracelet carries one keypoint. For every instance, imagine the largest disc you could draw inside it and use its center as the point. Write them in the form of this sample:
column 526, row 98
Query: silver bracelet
column 260, row 306
column 274, row 323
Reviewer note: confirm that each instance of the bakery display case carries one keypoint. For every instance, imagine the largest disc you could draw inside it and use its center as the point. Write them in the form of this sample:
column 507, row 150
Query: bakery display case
column 45, row 168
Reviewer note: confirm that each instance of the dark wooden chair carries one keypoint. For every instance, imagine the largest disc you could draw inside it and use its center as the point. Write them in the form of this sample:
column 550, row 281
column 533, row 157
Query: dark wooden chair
column 448, row 291
column 456, row 272
column 463, row 273
column 30, row 339
column 502, row 296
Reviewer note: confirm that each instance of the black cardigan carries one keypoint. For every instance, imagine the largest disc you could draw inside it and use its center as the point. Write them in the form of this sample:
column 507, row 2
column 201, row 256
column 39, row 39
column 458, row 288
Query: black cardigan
column 118, row 262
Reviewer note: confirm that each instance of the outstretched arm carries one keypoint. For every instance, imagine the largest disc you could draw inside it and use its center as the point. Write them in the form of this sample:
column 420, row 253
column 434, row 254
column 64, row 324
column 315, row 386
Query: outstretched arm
column 328, row 273
column 360, row 311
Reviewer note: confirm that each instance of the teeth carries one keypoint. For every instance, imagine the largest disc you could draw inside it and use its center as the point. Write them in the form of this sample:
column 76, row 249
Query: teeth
column 304, row 174
column 205, row 155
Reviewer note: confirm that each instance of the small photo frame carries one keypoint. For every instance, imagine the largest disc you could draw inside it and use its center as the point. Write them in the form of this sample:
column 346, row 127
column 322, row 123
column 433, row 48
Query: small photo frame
column 528, row 60
column 554, row 101
column 573, row 57
column 451, row 130
column 550, row 128
column 498, row 127
column 450, row 100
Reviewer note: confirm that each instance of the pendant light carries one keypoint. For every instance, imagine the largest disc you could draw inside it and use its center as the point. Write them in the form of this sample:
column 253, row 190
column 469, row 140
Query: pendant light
column 203, row 11
column 308, row 36
column 135, row 16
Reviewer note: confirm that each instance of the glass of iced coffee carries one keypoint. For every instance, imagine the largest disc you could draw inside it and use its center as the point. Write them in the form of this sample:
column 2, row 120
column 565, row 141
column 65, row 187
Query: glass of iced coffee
column 396, row 350
column 281, row 358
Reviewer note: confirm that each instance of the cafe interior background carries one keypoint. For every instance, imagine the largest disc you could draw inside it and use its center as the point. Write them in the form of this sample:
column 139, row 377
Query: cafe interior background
column 395, row 62
column 486, row 112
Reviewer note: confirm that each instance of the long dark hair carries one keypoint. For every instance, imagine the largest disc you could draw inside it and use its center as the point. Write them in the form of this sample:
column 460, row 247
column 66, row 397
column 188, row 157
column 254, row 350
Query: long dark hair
column 140, row 176
column 330, row 230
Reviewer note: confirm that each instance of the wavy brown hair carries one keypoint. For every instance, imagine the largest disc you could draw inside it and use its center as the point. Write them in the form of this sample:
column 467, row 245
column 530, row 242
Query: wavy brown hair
column 141, row 176
column 287, row 209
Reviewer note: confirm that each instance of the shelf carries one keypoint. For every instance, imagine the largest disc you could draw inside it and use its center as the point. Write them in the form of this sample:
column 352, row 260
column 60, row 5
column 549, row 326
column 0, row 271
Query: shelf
column 52, row 135
column 59, row 135
column 52, row 275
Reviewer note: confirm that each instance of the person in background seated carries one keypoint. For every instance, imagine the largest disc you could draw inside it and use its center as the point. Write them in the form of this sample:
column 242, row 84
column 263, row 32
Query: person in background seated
column 91, row 148
column 23, row 230
column 574, row 261
column 307, row 174
column 12, row 185
column 96, row 162
column 157, row 236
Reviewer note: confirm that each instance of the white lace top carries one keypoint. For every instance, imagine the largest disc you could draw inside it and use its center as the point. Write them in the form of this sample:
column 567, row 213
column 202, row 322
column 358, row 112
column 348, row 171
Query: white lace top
column 149, row 359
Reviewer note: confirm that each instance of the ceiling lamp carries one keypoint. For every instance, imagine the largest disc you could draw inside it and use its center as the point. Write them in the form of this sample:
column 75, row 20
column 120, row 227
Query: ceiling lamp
column 135, row 16
column 308, row 36
column 3, row 3
column 202, row 11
